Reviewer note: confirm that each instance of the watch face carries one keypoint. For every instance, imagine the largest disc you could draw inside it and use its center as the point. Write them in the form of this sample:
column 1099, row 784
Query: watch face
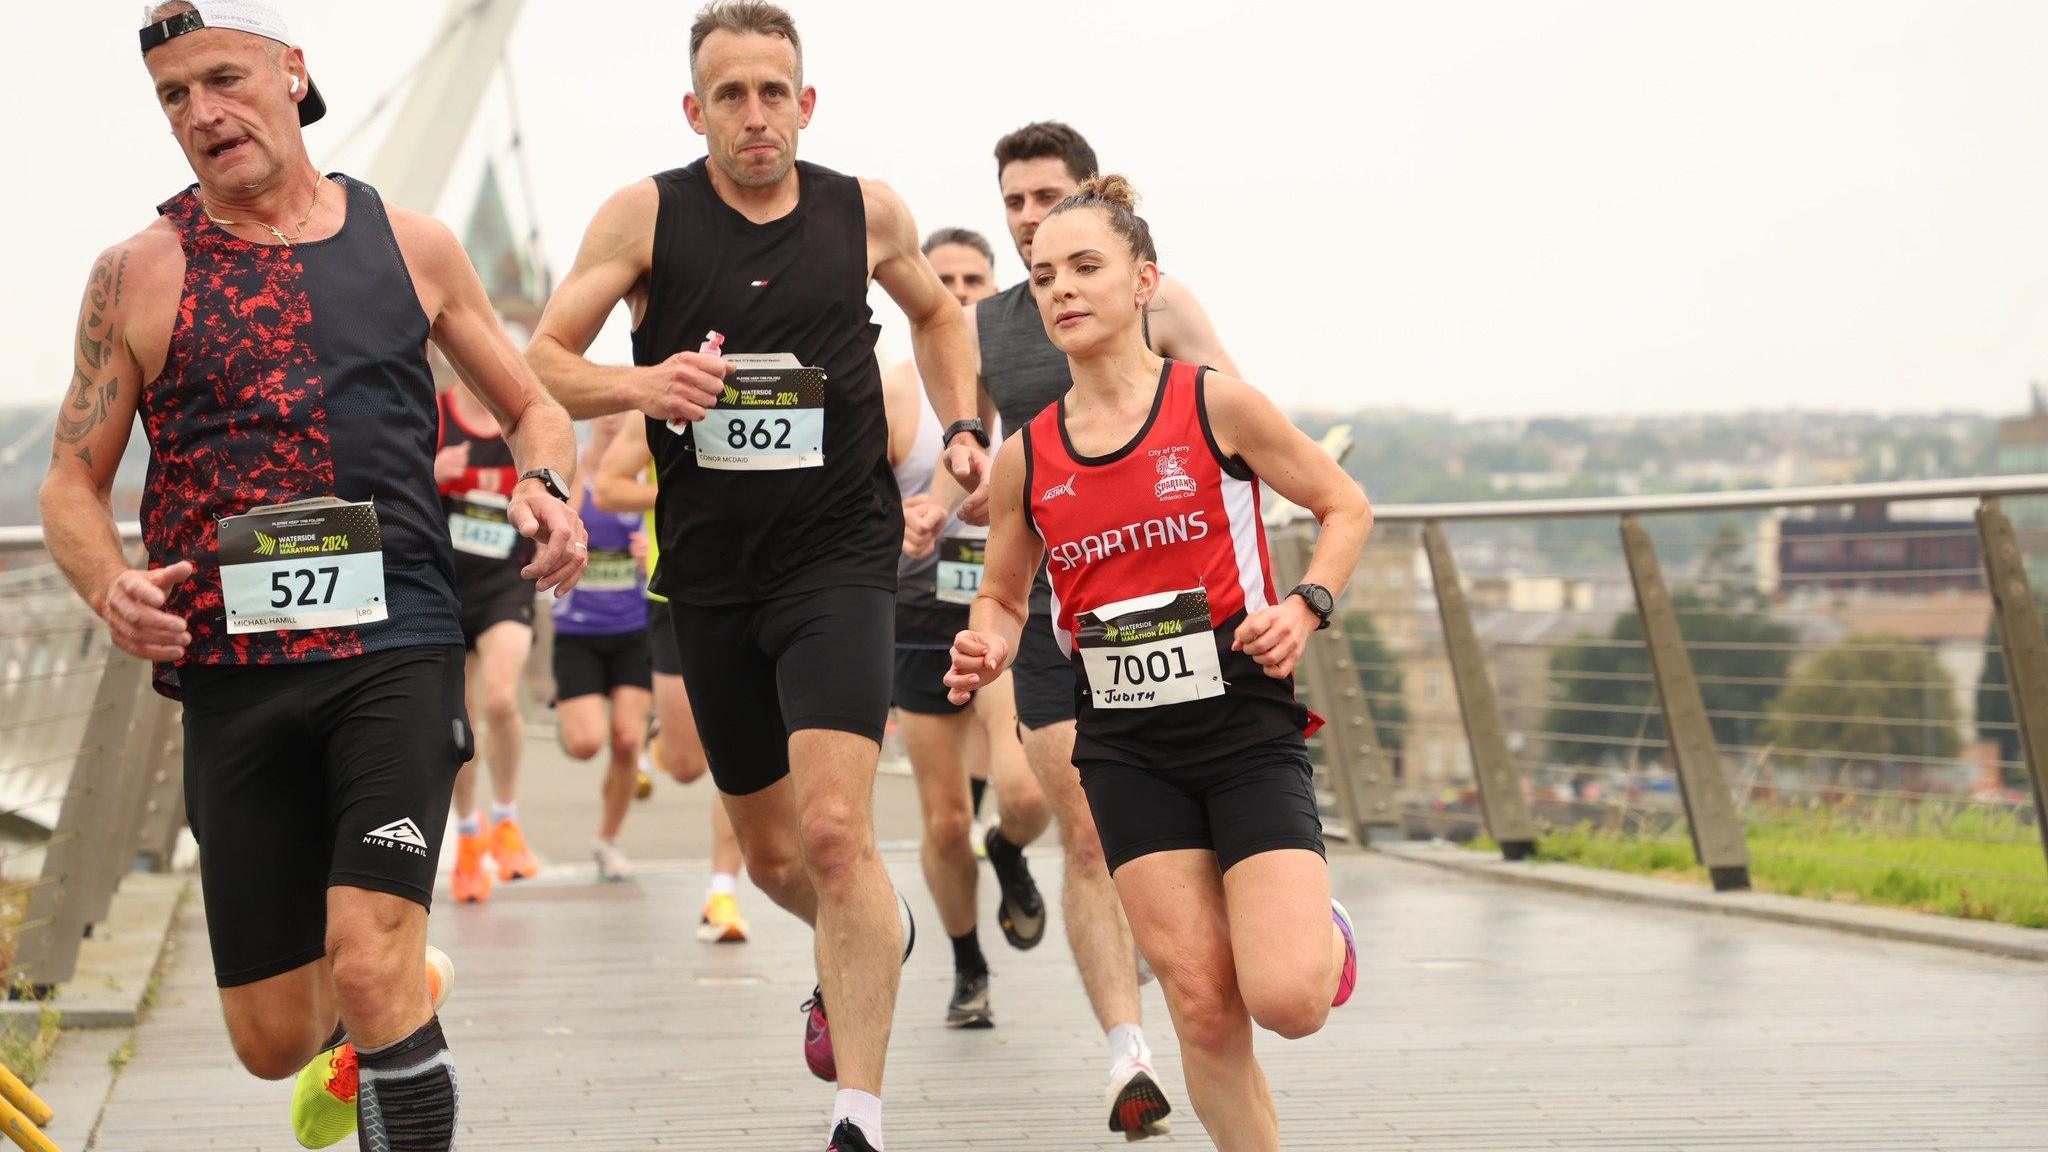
column 1319, row 599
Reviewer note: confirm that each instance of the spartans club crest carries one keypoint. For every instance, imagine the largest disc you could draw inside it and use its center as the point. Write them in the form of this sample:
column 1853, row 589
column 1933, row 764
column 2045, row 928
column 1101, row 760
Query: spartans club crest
column 1174, row 481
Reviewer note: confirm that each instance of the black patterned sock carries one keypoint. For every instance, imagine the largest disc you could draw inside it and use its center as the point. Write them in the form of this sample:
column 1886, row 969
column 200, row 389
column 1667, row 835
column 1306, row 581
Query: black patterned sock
column 407, row 1098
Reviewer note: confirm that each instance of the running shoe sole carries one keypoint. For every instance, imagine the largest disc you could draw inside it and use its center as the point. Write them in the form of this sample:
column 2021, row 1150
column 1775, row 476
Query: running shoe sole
column 1347, row 981
column 1021, row 928
column 1140, row 1109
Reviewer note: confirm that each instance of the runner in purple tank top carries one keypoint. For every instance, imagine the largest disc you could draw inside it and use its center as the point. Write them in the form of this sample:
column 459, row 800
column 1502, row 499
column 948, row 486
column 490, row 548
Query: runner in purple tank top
column 602, row 657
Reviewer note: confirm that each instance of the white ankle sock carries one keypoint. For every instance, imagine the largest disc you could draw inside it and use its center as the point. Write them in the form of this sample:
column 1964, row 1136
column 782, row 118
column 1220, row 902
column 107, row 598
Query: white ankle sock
column 724, row 884
column 1128, row 1041
column 470, row 825
column 503, row 812
column 864, row 1110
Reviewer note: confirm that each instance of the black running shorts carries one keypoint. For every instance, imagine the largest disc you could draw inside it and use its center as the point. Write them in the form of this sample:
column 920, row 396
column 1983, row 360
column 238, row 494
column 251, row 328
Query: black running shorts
column 920, row 684
column 758, row 672
column 305, row 777
column 1256, row 800
column 594, row 665
column 494, row 602
column 1044, row 678
column 661, row 640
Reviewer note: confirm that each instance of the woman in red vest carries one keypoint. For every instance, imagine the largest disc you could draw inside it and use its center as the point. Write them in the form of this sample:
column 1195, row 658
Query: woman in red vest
column 1140, row 491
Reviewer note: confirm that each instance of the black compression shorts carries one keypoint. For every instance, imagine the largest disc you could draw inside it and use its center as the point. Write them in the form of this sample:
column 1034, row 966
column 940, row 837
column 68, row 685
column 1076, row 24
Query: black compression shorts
column 305, row 777
column 920, row 683
column 594, row 665
column 661, row 640
column 758, row 672
column 1255, row 800
column 1044, row 678
column 494, row 602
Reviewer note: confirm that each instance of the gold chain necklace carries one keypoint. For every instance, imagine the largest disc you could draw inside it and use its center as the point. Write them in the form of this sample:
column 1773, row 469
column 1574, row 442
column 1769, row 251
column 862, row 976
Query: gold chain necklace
column 298, row 231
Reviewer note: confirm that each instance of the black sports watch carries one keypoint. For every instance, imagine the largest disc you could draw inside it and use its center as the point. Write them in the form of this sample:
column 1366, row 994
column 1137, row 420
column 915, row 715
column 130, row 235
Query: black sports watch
column 550, row 480
column 1319, row 601
column 958, row 426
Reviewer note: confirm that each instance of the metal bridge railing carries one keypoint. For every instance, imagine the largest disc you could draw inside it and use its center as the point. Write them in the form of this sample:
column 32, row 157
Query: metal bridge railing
column 90, row 768
column 1794, row 681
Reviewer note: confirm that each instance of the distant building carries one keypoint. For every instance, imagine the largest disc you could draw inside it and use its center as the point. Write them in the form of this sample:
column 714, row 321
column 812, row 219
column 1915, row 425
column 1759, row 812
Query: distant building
column 2020, row 447
column 1867, row 550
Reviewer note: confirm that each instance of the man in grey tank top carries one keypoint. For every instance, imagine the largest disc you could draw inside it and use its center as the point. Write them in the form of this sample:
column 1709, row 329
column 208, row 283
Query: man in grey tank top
column 1021, row 372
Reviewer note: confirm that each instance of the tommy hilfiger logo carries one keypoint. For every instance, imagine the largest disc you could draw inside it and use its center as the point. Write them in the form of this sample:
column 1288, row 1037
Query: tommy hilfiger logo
column 1058, row 490
column 403, row 835
column 1174, row 481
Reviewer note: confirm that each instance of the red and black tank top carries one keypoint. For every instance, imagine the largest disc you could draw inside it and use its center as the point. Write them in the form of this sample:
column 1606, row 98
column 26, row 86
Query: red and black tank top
column 1157, row 553
column 296, row 371
column 488, row 552
column 796, row 285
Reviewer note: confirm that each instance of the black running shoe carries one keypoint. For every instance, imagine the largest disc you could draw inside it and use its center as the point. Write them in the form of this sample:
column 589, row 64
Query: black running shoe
column 849, row 1138
column 1021, row 911
column 969, row 1007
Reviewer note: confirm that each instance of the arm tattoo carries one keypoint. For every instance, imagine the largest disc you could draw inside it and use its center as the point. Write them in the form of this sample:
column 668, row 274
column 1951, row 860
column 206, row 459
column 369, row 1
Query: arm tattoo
column 89, row 401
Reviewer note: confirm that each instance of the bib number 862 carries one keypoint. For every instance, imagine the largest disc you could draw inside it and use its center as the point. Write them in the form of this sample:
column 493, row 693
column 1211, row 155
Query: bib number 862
column 1151, row 668
column 281, row 586
column 738, row 435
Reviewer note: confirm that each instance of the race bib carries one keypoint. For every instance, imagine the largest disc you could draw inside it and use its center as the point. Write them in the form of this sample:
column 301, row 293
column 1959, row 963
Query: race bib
column 772, row 417
column 478, row 525
column 610, row 571
column 310, row 564
column 960, row 563
column 1149, row 651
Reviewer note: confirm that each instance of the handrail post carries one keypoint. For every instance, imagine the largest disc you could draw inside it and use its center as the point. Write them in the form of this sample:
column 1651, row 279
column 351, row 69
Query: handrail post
column 163, row 815
column 1710, row 814
column 2025, row 647
column 1501, row 802
column 85, row 857
column 1350, row 740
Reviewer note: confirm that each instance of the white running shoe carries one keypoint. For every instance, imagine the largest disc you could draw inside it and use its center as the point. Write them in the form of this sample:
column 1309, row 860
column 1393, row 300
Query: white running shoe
column 612, row 864
column 1137, row 1105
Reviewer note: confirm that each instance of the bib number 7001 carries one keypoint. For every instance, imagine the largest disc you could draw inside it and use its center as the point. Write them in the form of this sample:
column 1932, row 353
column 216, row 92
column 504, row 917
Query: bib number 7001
column 1150, row 650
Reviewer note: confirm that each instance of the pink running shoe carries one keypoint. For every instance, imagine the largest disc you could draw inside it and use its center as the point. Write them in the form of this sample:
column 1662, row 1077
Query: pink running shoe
column 818, row 1039
column 1348, row 981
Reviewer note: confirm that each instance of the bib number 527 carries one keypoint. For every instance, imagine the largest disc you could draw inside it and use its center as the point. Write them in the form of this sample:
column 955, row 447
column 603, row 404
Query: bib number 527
column 308, row 579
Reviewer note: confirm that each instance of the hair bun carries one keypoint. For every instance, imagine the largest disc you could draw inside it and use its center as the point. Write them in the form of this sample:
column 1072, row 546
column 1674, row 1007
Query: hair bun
column 1112, row 187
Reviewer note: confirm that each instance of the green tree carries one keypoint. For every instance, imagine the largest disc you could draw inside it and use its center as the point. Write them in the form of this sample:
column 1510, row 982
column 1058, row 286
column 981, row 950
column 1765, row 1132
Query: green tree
column 1380, row 676
column 1603, row 690
column 1874, row 695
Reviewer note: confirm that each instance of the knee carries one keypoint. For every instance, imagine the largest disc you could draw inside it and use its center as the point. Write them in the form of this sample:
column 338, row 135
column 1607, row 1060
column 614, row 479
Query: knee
column 950, row 830
column 501, row 703
column 625, row 748
column 580, row 744
column 1207, row 1012
column 834, row 840
column 772, row 865
column 270, row 1050
column 1289, row 1011
column 1083, row 845
column 683, row 761
column 369, row 973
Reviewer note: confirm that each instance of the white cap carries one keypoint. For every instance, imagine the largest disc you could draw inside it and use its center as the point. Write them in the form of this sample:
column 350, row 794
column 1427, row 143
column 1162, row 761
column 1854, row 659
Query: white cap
column 251, row 16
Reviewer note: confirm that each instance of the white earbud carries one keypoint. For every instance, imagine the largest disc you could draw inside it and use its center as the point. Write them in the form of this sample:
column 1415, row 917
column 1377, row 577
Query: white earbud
column 295, row 85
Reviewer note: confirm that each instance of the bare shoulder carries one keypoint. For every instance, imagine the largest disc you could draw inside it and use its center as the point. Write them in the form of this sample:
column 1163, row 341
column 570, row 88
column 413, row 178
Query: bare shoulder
column 132, row 292
column 888, row 215
column 425, row 241
column 1230, row 399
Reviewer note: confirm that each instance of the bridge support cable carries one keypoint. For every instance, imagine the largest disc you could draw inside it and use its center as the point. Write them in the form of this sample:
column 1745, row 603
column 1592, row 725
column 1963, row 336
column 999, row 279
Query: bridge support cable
column 1710, row 812
column 1501, row 801
column 2023, row 644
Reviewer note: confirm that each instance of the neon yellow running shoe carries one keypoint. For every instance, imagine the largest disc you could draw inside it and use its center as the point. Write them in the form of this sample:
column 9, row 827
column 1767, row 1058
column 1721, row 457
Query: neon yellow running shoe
column 324, row 1097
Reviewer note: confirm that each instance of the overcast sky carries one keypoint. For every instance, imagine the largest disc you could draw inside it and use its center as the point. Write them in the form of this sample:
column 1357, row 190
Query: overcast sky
column 1510, row 206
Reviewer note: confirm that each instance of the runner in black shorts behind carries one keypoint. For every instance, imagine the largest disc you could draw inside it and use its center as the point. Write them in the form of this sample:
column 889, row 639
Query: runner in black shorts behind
column 323, row 727
column 1141, row 488
column 474, row 470
column 779, row 525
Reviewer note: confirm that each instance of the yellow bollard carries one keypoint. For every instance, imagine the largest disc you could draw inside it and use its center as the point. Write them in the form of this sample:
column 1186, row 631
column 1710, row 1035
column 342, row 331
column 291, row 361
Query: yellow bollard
column 24, row 1134
column 24, row 1098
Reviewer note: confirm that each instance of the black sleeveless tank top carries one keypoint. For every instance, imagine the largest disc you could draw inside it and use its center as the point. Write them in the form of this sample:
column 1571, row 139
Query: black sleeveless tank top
column 797, row 285
column 296, row 371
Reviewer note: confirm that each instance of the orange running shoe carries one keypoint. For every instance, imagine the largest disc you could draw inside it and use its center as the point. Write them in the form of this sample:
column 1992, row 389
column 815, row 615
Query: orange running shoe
column 508, row 847
column 471, row 880
column 721, row 922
